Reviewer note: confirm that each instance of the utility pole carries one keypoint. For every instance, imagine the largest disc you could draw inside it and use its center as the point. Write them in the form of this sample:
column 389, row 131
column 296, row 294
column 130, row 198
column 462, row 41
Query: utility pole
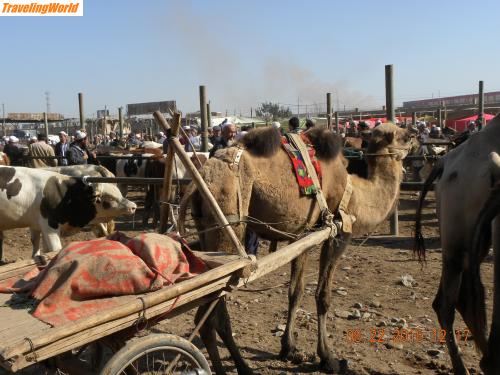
column 120, row 119
column 329, row 110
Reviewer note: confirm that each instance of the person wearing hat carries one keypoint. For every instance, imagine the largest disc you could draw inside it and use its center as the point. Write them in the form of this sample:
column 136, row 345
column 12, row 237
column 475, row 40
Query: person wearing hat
column 61, row 148
column 215, row 137
column 13, row 151
column 77, row 152
column 39, row 150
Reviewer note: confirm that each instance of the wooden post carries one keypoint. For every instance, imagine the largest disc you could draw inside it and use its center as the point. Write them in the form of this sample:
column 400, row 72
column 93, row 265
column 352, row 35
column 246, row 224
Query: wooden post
column 480, row 115
column 203, row 115
column 389, row 113
column 120, row 119
column 414, row 118
column 440, row 117
column 103, row 124
column 209, row 116
column 80, row 106
column 389, row 93
column 174, row 144
column 329, row 110
column 46, row 122
column 169, row 166
column 337, row 129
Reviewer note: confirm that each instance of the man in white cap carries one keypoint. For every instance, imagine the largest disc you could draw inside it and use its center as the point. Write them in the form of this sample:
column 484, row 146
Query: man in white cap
column 13, row 151
column 77, row 152
column 61, row 148
column 39, row 151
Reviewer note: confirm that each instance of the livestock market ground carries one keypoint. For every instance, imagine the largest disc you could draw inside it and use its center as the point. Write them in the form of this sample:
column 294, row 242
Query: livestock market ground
column 369, row 304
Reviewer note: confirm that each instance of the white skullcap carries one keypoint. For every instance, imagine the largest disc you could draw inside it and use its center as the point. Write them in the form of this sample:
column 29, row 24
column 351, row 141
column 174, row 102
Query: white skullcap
column 276, row 124
column 80, row 135
column 161, row 134
column 62, row 133
column 13, row 139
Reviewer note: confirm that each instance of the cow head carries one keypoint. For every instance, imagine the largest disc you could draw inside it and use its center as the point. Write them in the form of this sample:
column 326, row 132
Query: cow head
column 68, row 200
column 110, row 202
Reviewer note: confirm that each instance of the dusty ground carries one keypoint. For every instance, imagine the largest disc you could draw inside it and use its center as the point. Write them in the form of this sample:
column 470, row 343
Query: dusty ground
column 369, row 275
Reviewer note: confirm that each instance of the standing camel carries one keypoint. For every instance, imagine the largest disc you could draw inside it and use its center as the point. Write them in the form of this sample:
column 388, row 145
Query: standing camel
column 262, row 188
column 464, row 183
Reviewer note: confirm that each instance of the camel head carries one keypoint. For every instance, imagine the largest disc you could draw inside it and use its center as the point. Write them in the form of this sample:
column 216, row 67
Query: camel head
column 390, row 139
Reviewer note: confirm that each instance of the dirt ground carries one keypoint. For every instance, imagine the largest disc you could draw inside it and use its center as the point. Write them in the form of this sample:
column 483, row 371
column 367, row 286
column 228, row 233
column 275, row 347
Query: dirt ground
column 368, row 280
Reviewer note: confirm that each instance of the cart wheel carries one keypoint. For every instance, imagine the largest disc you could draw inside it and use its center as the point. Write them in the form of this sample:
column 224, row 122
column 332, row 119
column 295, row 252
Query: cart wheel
column 157, row 354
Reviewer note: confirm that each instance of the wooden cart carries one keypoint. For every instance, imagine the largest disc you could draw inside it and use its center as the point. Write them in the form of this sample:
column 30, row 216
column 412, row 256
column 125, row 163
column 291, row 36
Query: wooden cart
column 25, row 340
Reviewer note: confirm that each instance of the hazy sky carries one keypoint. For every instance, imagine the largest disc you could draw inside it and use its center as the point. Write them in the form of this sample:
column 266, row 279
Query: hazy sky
column 246, row 52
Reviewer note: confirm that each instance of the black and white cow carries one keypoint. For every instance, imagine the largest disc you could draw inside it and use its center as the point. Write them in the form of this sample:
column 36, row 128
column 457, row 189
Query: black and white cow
column 50, row 203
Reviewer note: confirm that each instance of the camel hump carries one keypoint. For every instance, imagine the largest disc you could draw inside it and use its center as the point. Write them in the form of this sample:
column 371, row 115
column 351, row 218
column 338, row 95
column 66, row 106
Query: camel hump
column 495, row 164
column 263, row 141
column 327, row 144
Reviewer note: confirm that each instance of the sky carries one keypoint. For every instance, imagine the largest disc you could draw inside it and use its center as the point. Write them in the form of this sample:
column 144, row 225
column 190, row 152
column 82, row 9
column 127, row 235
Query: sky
column 248, row 52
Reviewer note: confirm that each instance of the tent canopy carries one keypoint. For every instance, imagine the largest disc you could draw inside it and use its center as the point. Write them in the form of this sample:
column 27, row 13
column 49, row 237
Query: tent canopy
column 461, row 124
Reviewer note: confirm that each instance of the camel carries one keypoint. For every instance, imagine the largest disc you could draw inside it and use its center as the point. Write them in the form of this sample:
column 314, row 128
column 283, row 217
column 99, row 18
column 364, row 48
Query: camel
column 263, row 189
column 463, row 187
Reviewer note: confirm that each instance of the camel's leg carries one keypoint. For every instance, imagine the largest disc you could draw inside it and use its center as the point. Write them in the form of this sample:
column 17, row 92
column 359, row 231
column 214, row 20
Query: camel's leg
column 330, row 254
column 490, row 363
column 1, row 246
column 219, row 321
column 207, row 333
column 295, row 293
column 273, row 246
column 445, row 303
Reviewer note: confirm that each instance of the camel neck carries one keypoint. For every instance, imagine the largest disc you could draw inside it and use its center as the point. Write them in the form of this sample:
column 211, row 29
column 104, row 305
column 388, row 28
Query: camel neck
column 374, row 197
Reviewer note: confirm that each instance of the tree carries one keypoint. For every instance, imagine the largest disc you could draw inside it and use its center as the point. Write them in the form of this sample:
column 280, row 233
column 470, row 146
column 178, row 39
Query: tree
column 273, row 111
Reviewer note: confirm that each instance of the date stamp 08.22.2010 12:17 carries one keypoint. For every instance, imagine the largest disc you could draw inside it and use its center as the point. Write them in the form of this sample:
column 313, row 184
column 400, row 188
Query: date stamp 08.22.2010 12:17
column 402, row 335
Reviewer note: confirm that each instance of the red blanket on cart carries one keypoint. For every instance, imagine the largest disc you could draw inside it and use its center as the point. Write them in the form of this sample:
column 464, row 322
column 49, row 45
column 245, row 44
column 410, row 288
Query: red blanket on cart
column 85, row 276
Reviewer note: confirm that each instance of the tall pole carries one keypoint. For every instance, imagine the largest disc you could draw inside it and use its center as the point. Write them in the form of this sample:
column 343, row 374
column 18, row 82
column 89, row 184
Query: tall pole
column 209, row 115
column 329, row 109
column 389, row 105
column 480, row 115
column 80, row 106
column 103, row 124
column 337, row 122
column 46, row 122
column 414, row 119
column 3, row 120
column 440, row 117
column 120, row 122
column 389, row 93
column 203, row 114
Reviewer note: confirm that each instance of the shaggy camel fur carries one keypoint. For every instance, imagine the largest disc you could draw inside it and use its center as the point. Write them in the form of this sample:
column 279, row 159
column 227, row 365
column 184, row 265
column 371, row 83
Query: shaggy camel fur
column 269, row 193
column 463, row 187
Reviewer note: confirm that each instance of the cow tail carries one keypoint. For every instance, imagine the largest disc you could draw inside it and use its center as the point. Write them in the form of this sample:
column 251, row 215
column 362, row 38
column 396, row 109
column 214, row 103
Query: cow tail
column 419, row 243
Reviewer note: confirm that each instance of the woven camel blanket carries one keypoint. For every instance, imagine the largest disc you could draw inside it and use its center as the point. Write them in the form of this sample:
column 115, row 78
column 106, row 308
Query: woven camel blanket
column 87, row 277
column 306, row 184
